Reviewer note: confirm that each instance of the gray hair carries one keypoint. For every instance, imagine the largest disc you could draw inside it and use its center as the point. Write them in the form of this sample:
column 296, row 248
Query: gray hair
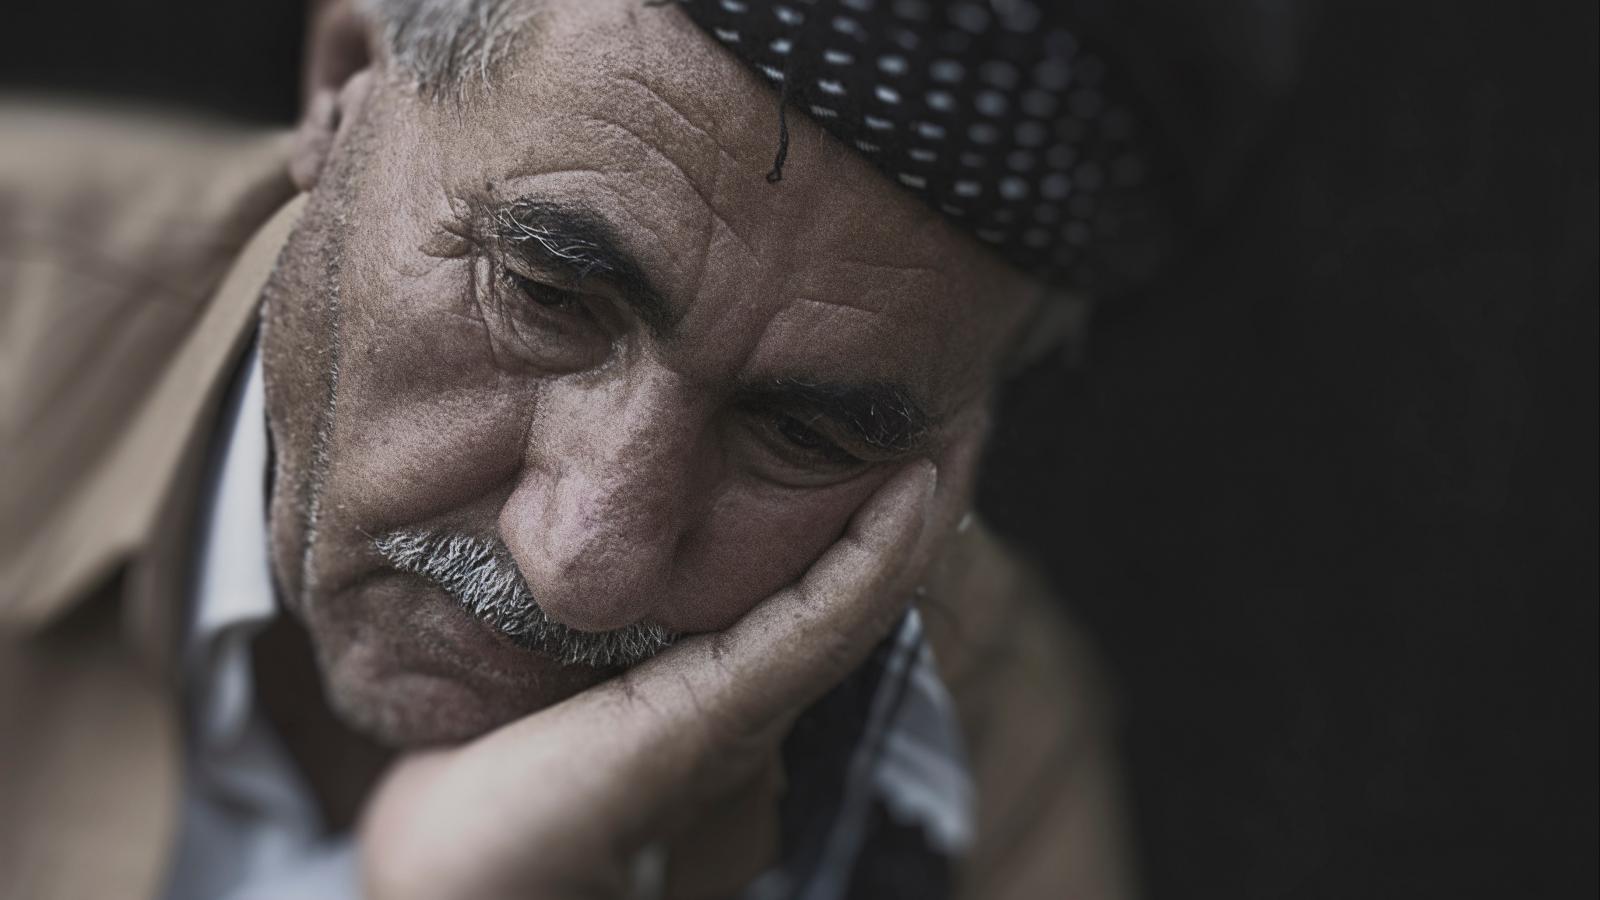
column 479, row 574
column 439, row 43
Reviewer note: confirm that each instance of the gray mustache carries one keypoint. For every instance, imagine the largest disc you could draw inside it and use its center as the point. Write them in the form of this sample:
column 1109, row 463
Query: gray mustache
column 479, row 573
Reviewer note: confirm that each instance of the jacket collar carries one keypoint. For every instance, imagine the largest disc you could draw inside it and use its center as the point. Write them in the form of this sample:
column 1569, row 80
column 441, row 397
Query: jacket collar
column 136, row 507
column 158, row 580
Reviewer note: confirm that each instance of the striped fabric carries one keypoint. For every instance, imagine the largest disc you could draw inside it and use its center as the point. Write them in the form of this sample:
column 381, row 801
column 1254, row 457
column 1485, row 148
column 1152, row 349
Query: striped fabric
column 880, row 799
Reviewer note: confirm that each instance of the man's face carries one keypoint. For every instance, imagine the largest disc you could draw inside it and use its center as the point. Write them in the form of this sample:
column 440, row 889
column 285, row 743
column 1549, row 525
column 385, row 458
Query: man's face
column 566, row 331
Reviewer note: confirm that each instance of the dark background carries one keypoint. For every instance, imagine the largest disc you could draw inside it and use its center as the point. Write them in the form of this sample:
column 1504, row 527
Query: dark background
column 1326, row 498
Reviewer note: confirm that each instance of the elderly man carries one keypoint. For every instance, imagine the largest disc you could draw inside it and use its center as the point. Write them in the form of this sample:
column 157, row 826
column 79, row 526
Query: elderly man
column 575, row 425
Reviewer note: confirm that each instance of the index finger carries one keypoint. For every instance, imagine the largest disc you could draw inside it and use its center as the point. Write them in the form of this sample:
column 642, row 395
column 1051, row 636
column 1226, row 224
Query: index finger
column 793, row 646
column 656, row 728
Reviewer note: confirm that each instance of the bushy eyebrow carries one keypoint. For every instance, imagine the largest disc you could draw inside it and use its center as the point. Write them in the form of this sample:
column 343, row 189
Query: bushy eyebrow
column 881, row 415
column 547, row 233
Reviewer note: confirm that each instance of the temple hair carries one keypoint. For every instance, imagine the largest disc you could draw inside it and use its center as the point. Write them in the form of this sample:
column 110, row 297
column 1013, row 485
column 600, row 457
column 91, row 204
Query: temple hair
column 444, row 45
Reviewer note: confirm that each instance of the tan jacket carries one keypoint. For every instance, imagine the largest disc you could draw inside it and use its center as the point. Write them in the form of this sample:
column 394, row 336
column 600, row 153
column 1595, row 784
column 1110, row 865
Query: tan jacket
column 132, row 252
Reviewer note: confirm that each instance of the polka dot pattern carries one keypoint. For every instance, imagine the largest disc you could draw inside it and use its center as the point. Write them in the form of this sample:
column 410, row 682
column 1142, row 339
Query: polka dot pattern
column 999, row 114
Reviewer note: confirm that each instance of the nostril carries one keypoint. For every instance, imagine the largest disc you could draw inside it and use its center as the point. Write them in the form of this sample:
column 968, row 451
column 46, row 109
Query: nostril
column 600, row 508
column 590, row 578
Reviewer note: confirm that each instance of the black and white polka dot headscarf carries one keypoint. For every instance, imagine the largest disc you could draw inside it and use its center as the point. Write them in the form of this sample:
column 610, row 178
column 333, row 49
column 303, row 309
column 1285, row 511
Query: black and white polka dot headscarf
column 1000, row 113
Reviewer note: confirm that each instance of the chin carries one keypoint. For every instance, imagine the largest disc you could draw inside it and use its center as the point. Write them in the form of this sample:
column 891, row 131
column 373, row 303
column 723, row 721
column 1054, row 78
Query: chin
column 410, row 669
column 414, row 710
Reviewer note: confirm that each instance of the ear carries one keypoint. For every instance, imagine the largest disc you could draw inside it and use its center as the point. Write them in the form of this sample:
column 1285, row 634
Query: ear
column 340, row 46
column 1059, row 323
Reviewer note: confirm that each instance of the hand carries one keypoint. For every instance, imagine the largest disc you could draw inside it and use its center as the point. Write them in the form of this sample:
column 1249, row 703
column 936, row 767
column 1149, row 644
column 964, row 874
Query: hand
column 557, row 804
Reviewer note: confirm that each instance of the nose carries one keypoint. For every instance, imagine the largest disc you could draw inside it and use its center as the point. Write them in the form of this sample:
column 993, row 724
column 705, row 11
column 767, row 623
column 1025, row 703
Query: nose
column 607, row 490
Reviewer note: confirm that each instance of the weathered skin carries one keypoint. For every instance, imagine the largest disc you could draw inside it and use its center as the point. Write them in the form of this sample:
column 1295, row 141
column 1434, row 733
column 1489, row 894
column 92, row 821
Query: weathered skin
column 412, row 383
column 613, row 462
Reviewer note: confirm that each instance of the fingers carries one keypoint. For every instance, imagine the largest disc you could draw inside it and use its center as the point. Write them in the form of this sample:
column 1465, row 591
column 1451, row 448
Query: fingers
column 794, row 645
column 791, row 647
column 706, row 713
column 727, row 697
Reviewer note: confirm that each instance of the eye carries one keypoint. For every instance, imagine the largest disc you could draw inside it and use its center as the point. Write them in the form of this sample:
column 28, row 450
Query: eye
column 802, row 435
column 550, row 327
column 804, row 443
column 545, row 295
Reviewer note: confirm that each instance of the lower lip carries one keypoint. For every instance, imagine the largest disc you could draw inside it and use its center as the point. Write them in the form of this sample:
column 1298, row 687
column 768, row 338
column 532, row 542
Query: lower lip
column 411, row 643
column 441, row 630
column 474, row 645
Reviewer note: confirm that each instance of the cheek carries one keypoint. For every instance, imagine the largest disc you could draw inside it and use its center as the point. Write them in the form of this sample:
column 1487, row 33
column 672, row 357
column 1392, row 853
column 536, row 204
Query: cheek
column 753, row 541
column 425, row 421
column 298, row 357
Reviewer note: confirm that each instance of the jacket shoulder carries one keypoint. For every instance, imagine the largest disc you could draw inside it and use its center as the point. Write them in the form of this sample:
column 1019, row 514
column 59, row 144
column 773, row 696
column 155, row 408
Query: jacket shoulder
column 115, row 228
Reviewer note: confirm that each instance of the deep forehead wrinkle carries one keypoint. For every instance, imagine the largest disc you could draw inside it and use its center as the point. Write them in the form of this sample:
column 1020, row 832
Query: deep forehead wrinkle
column 655, row 146
column 659, row 96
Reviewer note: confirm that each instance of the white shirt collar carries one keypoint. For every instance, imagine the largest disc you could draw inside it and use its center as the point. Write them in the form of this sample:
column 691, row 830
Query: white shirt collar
column 233, row 598
column 251, row 828
column 233, row 586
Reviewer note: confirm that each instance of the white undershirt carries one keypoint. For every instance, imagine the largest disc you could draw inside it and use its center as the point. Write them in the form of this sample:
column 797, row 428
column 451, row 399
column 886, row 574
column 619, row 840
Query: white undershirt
column 250, row 827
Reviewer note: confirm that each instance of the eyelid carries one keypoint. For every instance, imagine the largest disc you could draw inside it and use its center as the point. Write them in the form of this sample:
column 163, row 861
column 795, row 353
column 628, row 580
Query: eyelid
column 551, row 275
column 598, row 311
column 794, row 461
column 836, row 433
column 526, row 285
column 599, row 298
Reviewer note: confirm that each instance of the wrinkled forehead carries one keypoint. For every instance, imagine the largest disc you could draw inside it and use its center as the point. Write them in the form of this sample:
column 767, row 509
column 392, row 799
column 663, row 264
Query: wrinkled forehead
column 633, row 113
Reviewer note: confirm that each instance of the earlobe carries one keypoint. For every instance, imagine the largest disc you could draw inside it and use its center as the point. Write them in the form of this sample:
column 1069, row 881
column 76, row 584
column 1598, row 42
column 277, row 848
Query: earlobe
column 338, row 50
column 313, row 139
